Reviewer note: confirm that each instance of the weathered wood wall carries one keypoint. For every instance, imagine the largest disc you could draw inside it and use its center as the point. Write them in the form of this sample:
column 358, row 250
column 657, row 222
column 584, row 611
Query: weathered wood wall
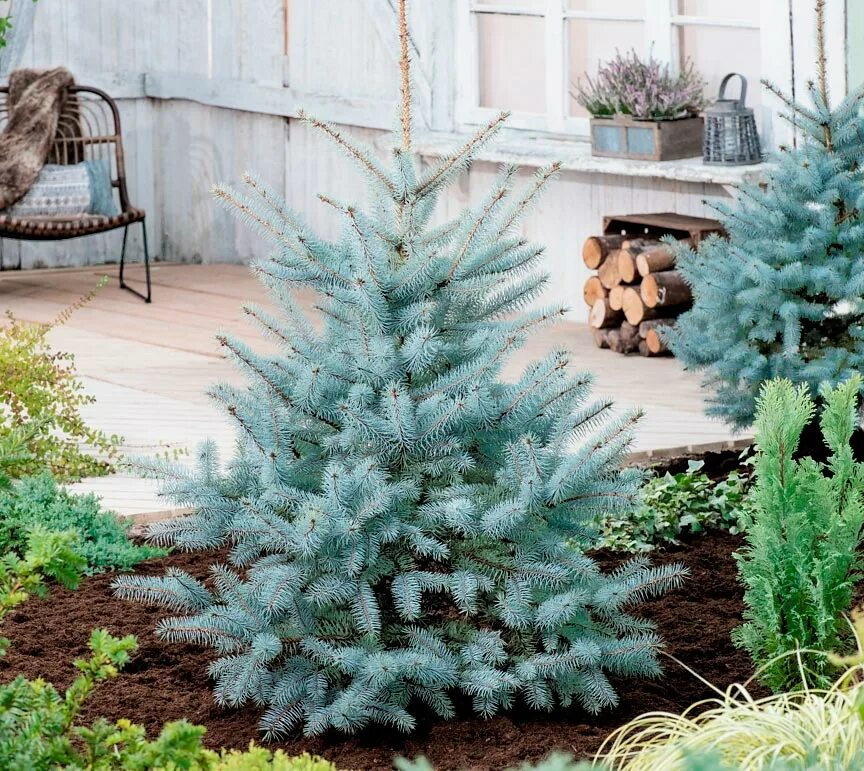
column 341, row 61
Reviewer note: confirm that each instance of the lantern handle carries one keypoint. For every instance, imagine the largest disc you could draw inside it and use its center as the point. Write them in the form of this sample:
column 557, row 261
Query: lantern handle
column 742, row 97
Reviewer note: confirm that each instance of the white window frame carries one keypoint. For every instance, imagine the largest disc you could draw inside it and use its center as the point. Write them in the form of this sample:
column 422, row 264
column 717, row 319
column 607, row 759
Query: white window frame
column 661, row 25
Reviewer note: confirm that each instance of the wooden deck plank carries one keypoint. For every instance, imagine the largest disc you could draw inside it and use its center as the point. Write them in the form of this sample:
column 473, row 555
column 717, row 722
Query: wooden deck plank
column 150, row 366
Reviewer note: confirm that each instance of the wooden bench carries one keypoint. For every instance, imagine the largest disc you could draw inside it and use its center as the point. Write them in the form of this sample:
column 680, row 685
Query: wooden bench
column 89, row 129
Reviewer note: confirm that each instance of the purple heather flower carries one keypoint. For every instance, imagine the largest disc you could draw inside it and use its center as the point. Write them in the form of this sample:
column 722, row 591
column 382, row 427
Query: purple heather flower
column 644, row 89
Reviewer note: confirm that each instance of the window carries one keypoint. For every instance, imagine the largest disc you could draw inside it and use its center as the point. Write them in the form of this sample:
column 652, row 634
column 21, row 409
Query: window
column 527, row 55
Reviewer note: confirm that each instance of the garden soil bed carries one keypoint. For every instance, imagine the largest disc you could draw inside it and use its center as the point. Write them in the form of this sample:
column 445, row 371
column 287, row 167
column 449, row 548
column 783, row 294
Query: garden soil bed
column 167, row 681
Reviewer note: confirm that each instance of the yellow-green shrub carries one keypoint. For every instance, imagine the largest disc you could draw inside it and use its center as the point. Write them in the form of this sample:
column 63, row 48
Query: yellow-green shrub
column 40, row 404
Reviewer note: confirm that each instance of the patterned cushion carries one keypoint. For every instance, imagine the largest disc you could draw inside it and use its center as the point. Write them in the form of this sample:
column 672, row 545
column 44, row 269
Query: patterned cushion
column 68, row 191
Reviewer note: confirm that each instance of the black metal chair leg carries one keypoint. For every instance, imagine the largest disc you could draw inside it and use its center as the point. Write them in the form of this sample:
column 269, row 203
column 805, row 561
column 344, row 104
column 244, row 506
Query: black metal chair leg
column 148, row 297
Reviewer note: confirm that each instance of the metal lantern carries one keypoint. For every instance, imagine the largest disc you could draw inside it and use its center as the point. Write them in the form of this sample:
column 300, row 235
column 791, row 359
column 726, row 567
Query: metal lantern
column 730, row 129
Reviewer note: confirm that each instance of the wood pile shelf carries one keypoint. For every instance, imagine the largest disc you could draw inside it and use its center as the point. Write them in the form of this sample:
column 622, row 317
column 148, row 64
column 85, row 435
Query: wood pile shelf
column 636, row 290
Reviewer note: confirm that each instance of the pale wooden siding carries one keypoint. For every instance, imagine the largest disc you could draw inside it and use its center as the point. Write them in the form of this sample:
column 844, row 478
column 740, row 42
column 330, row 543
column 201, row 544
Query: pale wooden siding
column 343, row 57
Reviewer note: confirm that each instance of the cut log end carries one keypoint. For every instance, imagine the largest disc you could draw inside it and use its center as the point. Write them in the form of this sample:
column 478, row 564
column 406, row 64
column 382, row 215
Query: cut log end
column 601, row 337
column 655, row 343
column 597, row 248
column 665, row 289
column 593, row 291
column 602, row 316
column 616, row 297
column 627, row 267
column 608, row 271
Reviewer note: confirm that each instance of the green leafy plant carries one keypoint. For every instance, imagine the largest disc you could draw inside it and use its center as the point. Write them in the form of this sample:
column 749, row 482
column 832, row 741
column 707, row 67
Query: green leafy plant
column 800, row 564
column 40, row 401
column 262, row 759
column 676, row 505
column 13, row 453
column 6, row 26
column 39, row 500
column 48, row 554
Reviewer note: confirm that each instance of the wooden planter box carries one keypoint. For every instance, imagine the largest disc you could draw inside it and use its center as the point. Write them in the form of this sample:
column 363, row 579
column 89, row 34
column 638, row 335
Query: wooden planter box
column 646, row 140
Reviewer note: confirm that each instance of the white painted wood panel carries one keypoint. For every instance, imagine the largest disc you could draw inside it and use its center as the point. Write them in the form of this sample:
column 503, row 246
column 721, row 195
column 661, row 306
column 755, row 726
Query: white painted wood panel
column 159, row 56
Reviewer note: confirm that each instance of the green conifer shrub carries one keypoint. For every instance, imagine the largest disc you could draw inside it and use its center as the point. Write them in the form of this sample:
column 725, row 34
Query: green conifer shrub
column 401, row 521
column 782, row 297
column 801, row 563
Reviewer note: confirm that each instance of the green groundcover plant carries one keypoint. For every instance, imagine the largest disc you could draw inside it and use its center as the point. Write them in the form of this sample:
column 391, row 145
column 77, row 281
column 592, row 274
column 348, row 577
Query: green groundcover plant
column 403, row 525
column 800, row 564
column 48, row 554
column 673, row 506
column 39, row 500
column 39, row 729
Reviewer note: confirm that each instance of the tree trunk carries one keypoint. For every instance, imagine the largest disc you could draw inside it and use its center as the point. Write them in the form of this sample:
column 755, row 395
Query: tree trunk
column 597, row 248
column 627, row 338
column 630, row 249
column 593, row 291
column 602, row 316
column 665, row 289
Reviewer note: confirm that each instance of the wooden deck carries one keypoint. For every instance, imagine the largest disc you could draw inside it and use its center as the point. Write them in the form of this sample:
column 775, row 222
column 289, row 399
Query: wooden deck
column 149, row 366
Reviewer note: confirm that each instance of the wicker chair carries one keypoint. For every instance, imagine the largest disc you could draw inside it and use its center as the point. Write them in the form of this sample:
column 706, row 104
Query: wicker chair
column 89, row 128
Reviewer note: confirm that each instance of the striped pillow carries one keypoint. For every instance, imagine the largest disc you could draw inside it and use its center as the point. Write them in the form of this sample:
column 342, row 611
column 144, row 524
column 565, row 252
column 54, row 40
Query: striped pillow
column 68, row 191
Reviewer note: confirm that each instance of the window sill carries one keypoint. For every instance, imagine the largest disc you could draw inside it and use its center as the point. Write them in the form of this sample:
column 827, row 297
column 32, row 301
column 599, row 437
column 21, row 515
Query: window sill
column 536, row 150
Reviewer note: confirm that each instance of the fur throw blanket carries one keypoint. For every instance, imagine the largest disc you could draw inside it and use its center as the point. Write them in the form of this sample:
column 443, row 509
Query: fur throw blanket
column 36, row 101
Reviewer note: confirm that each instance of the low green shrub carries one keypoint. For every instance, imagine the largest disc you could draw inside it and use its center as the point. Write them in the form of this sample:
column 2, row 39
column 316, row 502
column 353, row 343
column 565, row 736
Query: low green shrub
column 38, row 725
column 675, row 505
column 41, row 399
column 38, row 729
column 801, row 563
column 262, row 759
column 46, row 555
column 39, row 500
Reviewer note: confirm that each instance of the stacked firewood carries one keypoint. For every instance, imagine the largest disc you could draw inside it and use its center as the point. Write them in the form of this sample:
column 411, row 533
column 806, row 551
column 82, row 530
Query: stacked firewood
column 635, row 292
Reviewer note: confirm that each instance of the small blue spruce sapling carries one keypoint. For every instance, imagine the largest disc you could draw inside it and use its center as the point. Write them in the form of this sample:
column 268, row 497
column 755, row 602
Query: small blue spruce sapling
column 782, row 297
column 401, row 522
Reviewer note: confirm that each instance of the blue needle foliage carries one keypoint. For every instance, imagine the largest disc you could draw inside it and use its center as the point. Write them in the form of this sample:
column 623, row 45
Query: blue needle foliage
column 403, row 525
column 782, row 297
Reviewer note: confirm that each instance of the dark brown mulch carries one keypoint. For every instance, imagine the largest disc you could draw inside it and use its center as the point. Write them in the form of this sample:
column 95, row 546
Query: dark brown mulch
column 167, row 682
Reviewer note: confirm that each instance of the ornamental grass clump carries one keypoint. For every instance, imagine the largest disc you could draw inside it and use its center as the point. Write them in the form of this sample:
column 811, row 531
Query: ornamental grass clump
column 628, row 85
column 805, row 729
column 802, row 730
column 401, row 523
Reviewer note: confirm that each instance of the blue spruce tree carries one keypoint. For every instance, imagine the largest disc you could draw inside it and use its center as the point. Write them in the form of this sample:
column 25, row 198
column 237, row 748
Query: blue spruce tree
column 782, row 297
column 402, row 524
